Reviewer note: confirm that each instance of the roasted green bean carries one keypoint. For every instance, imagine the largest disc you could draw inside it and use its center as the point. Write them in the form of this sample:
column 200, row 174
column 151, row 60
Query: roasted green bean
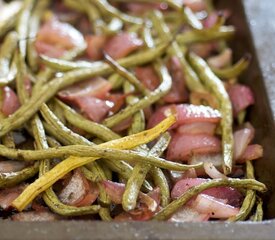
column 11, row 179
column 6, row 54
column 250, row 198
column 215, row 85
column 205, row 35
column 93, row 151
column 171, row 208
column 31, row 107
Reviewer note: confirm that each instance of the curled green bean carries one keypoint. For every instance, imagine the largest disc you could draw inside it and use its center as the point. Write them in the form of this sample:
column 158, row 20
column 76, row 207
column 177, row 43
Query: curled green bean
column 215, row 85
column 171, row 208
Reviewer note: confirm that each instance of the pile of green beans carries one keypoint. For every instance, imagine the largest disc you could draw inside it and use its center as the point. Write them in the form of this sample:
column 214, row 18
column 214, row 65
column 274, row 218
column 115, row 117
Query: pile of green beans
column 63, row 139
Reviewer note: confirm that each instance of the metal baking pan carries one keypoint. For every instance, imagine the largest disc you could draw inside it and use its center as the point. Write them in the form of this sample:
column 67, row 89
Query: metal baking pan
column 261, row 116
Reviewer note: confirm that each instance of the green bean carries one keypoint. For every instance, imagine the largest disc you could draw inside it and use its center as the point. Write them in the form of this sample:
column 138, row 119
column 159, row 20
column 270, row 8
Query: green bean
column 101, row 68
column 58, row 207
column 125, row 171
column 190, row 18
column 130, row 77
column 186, row 13
column 61, row 130
column 44, row 75
column 109, row 10
column 215, row 85
column 192, row 80
column 250, row 198
column 94, row 16
column 233, row 71
column 160, row 180
column 116, row 81
column 171, row 208
column 12, row 179
column 88, row 126
column 140, row 171
column 93, row 151
column 205, row 35
column 74, row 5
column 154, row 96
column 22, row 26
column 64, row 65
column 156, row 173
column 49, row 195
column 74, row 138
column 34, row 23
column 52, row 142
column 6, row 53
column 106, row 170
column 7, row 140
column 258, row 216
column 22, row 93
column 9, row 16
